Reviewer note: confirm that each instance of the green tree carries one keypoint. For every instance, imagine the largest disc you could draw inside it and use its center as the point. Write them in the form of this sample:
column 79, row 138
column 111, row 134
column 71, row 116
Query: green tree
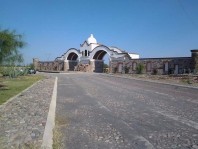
column 10, row 43
column 10, row 56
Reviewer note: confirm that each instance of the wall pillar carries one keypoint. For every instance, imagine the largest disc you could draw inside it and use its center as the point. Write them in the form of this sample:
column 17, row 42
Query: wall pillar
column 35, row 63
column 92, row 65
column 66, row 66
column 194, row 55
column 110, row 65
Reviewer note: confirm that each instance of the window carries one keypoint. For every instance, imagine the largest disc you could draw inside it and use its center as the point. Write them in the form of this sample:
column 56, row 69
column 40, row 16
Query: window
column 85, row 52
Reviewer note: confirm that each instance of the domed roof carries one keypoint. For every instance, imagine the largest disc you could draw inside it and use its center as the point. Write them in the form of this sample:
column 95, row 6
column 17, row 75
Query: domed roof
column 91, row 39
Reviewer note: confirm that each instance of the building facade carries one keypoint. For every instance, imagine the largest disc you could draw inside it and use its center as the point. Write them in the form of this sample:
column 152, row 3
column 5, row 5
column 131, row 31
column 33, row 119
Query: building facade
column 90, row 58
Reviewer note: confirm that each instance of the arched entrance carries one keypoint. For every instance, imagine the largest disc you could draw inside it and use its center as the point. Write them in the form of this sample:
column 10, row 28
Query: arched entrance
column 97, row 58
column 101, row 59
column 72, row 61
column 101, row 64
column 99, row 55
column 71, row 58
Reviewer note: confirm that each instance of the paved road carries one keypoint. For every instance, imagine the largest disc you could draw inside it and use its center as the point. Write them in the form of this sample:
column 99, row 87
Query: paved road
column 100, row 111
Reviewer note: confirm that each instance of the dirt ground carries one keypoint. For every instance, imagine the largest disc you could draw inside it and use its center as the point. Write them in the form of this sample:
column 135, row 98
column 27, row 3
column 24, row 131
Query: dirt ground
column 187, row 79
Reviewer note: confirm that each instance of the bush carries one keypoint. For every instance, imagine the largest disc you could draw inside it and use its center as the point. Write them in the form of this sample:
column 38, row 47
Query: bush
column 170, row 71
column 31, row 66
column 13, row 72
column 155, row 71
column 126, row 69
column 5, row 71
column 140, row 68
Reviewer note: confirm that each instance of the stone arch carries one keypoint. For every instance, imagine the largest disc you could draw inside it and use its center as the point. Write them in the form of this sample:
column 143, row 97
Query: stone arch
column 72, row 54
column 99, row 52
column 99, row 55
column 71, row 58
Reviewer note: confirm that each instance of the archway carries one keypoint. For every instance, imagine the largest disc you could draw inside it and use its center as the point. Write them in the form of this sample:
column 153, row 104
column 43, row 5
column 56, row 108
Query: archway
column 71, row 58
column 99, row 53
column 100, row 58
column 101, row 61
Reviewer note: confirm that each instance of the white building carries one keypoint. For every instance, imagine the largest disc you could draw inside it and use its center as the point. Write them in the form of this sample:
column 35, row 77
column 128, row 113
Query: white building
column 91, row 54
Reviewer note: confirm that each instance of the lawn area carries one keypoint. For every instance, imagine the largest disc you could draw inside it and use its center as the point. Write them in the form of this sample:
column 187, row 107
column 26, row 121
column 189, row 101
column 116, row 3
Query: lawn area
column 16, row 85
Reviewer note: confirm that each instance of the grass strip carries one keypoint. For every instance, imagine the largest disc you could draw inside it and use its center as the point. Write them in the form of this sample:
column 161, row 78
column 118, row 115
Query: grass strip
column 16, row 85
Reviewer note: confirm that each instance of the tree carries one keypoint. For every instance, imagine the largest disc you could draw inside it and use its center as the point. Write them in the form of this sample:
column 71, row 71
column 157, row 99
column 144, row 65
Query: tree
column 10, row 56
column 10, row 42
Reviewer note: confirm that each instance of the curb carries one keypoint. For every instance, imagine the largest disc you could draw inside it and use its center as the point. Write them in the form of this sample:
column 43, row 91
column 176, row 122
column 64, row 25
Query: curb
column 152, row 81
column 12, row 98
column 48, row 132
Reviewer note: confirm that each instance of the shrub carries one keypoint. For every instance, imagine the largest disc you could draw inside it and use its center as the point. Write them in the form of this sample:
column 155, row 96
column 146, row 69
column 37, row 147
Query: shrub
column 155, row 71
column 126, row 69
column 5, row 71
column 13, row 72
column 140, row 68
column 170, row 71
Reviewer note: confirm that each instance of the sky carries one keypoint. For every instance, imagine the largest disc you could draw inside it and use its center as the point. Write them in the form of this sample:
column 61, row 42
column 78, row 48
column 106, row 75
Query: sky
column 151, row 28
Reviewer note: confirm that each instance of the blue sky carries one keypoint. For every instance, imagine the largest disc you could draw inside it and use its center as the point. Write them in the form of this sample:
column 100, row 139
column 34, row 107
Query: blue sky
column 151, row 28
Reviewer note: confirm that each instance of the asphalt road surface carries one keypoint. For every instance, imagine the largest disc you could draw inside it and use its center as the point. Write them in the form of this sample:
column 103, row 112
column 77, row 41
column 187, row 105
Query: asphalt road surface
column 98, row 111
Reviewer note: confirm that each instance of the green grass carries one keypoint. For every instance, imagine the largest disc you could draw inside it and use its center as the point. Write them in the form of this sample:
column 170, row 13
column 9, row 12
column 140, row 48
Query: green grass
column 16, row 85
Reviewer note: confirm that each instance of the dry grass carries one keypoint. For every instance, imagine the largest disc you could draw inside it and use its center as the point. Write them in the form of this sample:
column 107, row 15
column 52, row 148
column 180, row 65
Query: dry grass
column 188, row 80
column 57, row 133
column 57, row 138
column 32, row 145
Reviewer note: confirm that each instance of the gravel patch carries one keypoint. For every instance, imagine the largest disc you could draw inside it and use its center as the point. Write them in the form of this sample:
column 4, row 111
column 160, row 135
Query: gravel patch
column 23, row 120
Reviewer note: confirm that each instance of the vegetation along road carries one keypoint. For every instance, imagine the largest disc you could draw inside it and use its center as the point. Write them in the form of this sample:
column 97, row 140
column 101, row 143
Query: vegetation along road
column 101, row 111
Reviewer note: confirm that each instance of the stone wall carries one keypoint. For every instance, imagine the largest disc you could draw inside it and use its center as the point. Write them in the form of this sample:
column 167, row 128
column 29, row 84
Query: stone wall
column 177, row 65
column 50, row 66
